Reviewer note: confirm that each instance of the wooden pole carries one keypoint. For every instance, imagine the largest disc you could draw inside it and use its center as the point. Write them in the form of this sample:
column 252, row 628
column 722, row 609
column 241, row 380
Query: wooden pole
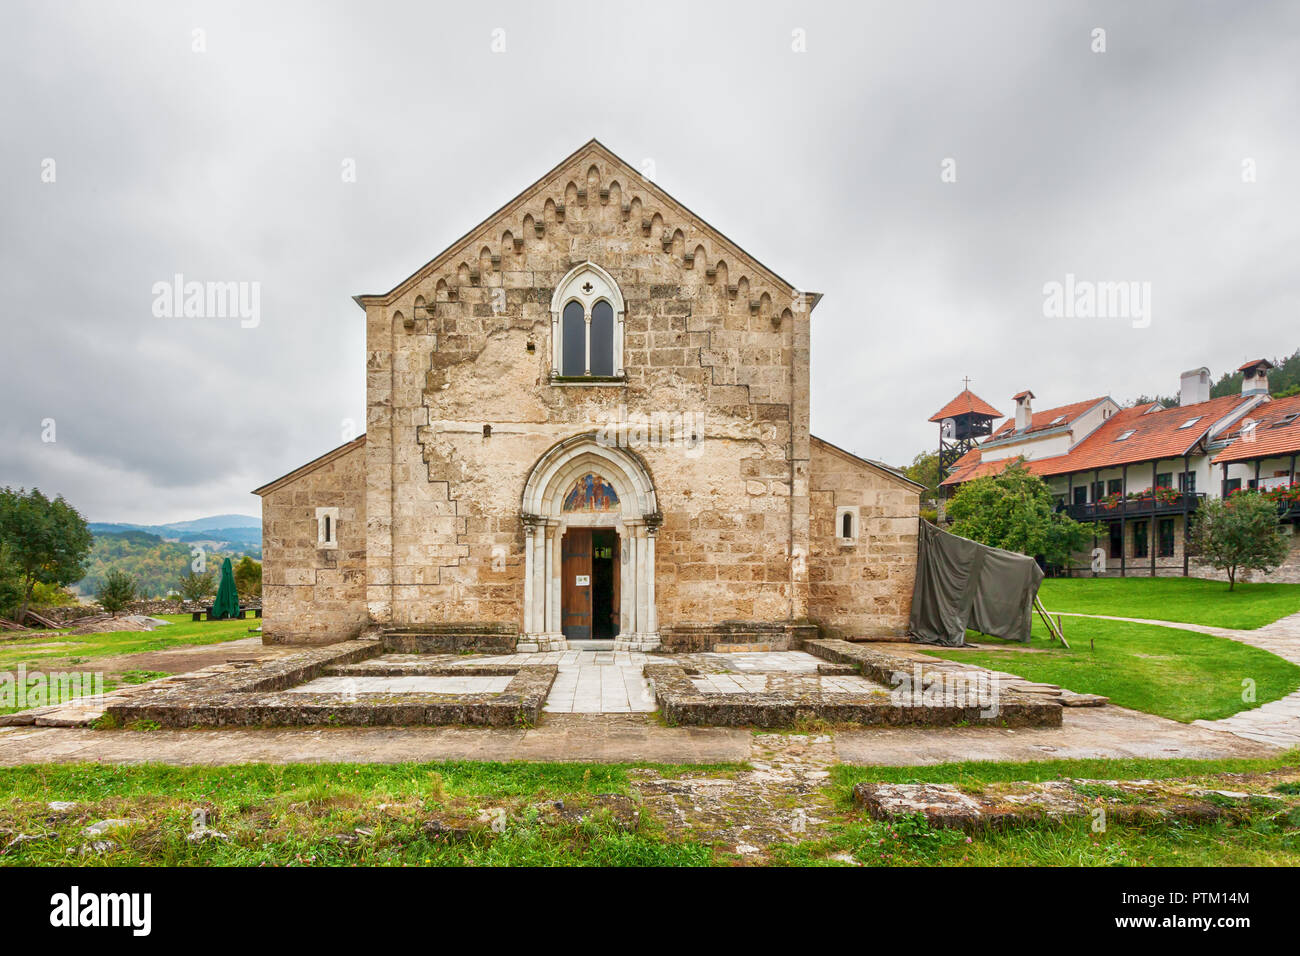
column 1052, row 628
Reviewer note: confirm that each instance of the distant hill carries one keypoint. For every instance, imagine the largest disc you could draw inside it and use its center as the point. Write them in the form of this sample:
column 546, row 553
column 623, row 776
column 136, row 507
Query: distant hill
column 216, row 522
column 155, row 564
column 174, row 529
column 157, row 554
column 237, row 534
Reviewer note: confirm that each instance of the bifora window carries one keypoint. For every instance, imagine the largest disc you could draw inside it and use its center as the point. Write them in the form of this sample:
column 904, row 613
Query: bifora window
column 587, row 325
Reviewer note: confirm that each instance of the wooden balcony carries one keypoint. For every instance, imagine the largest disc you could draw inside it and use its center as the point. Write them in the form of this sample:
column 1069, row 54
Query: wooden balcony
column 1144, row 507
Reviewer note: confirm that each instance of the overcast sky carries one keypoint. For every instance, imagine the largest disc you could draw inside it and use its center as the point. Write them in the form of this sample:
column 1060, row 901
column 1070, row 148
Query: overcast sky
column 225, row 164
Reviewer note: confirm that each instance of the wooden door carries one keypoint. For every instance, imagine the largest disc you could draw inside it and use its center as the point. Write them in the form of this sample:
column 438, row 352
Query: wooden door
column 575, row 585
column 605, row 573
column 618, row 585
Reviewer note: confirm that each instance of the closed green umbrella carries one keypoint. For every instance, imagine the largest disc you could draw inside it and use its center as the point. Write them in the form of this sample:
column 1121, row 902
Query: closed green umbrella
column 227, row 602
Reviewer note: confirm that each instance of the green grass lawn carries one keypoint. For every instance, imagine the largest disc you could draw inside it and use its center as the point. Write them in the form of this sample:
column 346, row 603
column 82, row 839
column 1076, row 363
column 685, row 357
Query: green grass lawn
column 1159, row 670
column 1272, row 841
column 1184, row 600
column 304, row 814
column 54, row 651
column 441, row 814
column 62, row 646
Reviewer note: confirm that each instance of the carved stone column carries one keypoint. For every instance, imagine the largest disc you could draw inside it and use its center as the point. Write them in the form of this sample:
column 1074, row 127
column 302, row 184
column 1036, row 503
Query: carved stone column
column 640, row 630
column 652, row 615
column 528, row 640
column 549, row 637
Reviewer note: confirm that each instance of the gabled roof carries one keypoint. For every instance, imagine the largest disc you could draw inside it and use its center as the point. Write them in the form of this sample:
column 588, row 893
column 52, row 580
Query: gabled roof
column 966, row 403
column 1272, row 435
column 1149, row 434
column 1047, row 418
column 311, row 466
column 887, row 470
column 593, row 150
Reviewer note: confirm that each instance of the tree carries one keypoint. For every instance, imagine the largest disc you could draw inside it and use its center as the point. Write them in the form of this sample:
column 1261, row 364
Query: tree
column 1284, row 376
column 11, row 584
column 1239, row 533
column 248, row 578
column 1013, row 510
column 117, row 591
column 47, row 541
column 195, row 587
column 924, row 470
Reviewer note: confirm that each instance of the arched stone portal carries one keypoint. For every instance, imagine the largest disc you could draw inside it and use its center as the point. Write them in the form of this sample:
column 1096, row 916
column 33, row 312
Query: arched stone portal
column 583, row 483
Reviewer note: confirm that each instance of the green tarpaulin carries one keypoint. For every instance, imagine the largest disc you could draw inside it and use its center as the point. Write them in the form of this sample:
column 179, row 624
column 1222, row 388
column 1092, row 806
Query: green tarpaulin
column 227, row 602
column 961, row 584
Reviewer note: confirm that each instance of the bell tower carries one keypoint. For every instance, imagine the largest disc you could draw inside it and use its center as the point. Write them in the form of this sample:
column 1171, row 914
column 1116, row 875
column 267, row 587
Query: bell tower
column 962, row 422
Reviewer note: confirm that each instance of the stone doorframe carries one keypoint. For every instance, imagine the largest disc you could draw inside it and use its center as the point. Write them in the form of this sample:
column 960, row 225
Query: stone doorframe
column 636, row 520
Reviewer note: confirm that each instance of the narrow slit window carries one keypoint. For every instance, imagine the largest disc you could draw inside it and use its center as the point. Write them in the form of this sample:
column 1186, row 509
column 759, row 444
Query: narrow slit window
column 846, row 524
column 327, row 527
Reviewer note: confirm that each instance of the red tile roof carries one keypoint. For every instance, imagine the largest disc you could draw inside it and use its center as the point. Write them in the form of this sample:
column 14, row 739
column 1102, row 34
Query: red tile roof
column 966, row 403
column 1044, row 419
column 1019, row 395
column 1155, row 435
column 1266, row 439
column 1256, row 362
column 975, row 468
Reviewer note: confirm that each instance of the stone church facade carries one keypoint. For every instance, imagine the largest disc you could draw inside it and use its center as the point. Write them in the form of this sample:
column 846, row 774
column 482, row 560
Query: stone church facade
column 588, row 418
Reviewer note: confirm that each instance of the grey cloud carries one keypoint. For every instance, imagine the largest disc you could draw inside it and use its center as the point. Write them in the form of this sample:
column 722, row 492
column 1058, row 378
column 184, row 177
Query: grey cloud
column 225, row 165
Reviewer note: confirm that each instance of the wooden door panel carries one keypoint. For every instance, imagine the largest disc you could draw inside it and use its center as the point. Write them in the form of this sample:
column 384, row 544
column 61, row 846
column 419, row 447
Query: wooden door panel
column 575, row 598
column 618, row 584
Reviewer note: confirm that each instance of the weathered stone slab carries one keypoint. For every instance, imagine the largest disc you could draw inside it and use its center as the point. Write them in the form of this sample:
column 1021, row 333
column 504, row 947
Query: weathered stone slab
column 1016, row 804
column 262, row 696
column 451, row 638
column 681, row 701
column 730, row 636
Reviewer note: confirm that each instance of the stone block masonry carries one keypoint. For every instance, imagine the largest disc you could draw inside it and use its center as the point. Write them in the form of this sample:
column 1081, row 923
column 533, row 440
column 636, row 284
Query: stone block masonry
column 314, row 592
column 448, row 508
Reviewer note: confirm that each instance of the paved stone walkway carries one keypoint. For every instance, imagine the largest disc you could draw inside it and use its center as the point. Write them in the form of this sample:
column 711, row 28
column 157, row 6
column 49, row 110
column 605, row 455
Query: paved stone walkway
column 1103, row 732
column 592, row 682
column 597, row 738
column 1277, row 722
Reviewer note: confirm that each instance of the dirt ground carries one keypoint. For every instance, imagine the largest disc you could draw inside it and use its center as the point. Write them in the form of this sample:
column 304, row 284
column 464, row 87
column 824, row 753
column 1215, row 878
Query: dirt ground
column 177, row 660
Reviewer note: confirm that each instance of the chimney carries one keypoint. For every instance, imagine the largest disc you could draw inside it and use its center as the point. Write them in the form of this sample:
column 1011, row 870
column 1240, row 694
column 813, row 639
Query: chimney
column 1254, row 377
column 1194, row 386
column 1024, row 412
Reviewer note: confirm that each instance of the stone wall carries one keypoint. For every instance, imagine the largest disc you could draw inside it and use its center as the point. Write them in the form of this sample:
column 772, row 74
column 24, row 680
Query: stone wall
column 863, row 587
column 160, row 606
column 314, row 595
column 1287, row 573
column 711, row 338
